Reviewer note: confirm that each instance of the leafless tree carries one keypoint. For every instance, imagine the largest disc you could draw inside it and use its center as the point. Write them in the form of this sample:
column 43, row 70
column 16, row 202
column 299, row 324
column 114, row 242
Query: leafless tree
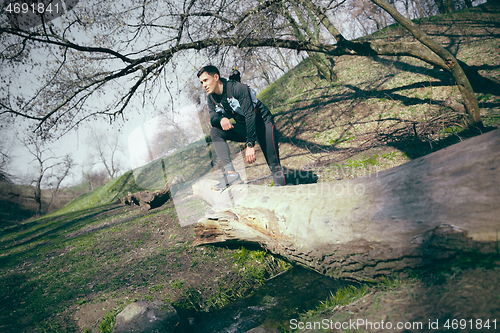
column 4, row 160
column 59, row 172
column 307, row 26
column 426, row 8
column 6, row 146
column 369, row 16
column 172, row 135
column 46, row 161
column 262, row 66
column 104, row 148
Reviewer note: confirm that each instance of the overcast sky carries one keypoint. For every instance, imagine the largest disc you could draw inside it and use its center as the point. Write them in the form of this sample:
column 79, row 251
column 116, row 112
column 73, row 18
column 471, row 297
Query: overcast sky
column 133, row 155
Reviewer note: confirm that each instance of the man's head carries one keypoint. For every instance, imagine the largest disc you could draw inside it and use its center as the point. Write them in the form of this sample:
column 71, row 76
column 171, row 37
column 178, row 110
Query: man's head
column 210, row 79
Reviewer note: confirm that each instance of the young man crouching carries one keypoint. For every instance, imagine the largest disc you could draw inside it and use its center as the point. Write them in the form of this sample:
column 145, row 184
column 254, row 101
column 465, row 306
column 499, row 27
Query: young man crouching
column 253, row 123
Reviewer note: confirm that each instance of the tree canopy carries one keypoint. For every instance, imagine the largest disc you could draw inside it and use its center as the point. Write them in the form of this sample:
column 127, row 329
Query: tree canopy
column 108, row 57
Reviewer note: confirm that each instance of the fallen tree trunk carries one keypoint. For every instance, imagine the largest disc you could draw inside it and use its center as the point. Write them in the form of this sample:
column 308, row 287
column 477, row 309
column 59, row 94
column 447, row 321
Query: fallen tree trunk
column 430, row 208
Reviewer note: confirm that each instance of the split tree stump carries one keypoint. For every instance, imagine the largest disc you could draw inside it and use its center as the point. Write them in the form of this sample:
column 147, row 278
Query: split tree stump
column 147, row 200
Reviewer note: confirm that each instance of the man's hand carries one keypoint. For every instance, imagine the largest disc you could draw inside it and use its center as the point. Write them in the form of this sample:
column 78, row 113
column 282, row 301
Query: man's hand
column 226, row 124
column 250, row 155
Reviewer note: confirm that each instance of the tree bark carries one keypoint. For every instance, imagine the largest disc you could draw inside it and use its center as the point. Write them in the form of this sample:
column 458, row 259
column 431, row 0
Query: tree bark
column 406, row 217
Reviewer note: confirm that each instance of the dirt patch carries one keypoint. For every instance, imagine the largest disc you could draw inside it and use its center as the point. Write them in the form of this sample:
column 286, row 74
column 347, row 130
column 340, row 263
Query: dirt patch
column 89, row 315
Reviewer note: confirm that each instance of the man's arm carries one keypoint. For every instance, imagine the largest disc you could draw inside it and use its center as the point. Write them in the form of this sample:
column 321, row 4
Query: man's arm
column 215, row 117
column 242, row 94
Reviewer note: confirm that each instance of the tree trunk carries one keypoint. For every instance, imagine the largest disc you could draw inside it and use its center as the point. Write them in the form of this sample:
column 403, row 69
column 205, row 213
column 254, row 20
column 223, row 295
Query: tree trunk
column 463, row 83
column 38, row 190
column 445, row 6
column 406, row 217
column 38, row 197
column 419, row 9
column 325, row 71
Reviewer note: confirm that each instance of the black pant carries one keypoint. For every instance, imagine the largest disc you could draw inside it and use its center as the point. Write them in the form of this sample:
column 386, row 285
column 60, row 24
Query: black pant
column 266, row 135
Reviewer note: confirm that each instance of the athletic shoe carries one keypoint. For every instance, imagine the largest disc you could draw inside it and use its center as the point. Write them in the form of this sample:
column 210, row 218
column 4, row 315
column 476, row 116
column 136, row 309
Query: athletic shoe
column 227, row 180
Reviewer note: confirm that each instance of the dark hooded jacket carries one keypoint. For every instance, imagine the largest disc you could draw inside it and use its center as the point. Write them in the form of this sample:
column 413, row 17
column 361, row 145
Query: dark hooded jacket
column 239, row 102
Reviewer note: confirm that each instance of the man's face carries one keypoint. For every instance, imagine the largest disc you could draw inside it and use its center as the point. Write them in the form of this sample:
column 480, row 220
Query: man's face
column 209, row 82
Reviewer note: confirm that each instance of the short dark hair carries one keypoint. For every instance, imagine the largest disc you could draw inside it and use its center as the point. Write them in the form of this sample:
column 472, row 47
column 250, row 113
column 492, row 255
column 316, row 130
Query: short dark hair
column 209, row 69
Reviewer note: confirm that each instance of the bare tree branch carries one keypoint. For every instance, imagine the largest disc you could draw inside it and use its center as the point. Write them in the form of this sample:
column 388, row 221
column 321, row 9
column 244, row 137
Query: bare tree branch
column 144, row 39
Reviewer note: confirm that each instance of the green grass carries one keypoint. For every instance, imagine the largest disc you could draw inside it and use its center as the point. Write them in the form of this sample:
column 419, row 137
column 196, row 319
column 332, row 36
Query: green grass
column 253, row 266
column 190, row 162
column 54, row 263
column 342, row 297
column 365, row 162
column 106, row 325
column 288, row 89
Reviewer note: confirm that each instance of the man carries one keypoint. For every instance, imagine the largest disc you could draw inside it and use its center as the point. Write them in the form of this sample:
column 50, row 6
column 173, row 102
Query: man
column 253, row 122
